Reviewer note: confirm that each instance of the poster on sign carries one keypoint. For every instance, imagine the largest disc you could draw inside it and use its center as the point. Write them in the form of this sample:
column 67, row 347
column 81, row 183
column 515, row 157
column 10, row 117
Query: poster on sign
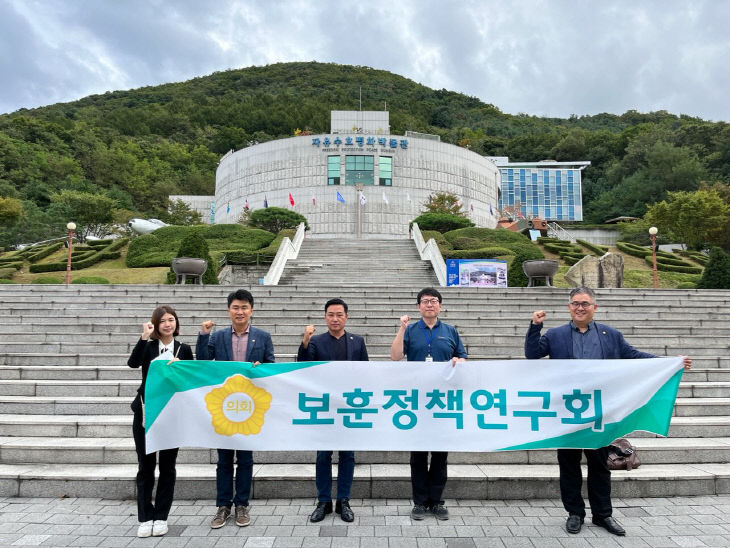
column 476, row 272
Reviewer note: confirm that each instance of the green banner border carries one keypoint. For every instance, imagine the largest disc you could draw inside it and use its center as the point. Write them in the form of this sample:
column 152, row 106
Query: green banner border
column 654, row 416
column 165, row 379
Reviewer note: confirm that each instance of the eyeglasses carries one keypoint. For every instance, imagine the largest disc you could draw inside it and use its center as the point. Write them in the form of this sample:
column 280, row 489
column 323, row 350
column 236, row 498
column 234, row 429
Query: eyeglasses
column 581, row 304
column 429, row 301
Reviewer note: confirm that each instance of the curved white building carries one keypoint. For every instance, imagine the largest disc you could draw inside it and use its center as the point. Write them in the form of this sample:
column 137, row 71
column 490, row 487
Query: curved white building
column 360, row 181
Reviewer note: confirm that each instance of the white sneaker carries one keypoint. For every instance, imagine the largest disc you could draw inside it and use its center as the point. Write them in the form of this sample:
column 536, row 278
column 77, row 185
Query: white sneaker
column 159, row 527
column 145, row 529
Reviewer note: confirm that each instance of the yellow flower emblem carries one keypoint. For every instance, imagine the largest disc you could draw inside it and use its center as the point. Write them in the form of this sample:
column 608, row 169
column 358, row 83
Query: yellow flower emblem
column 238, row 407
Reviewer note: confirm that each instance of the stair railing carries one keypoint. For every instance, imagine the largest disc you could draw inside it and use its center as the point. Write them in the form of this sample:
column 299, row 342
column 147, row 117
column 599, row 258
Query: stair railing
column 429, row 251
column 557, row 231
column 288, row 249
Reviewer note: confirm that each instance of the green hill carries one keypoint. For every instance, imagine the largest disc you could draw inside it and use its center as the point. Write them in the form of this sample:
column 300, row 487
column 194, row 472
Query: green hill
column 139, row 146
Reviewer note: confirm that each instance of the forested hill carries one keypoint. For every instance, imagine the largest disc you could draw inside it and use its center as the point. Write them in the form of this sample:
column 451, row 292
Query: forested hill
column 137, row 147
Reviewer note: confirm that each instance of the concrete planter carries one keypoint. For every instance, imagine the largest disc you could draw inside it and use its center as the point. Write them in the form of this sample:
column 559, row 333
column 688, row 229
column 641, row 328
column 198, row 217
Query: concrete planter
column 185, row 267
column 540, row 269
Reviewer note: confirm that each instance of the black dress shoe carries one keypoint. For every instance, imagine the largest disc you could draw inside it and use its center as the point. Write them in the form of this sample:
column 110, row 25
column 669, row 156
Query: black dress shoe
column 610, row 525
column 343, row 508
column 574, row 523
column 322, row 509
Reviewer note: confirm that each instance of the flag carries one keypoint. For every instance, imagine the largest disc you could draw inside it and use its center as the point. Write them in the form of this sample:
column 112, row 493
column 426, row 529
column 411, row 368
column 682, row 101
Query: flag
column 491, row 211
column 471, row 206
column 408, row 197
column 266, row 202
column 363, row 200
column 340, row 198
column 291, row 199
column 314, row 201
column 385, row 199
column 228, row 208
column 245, row 205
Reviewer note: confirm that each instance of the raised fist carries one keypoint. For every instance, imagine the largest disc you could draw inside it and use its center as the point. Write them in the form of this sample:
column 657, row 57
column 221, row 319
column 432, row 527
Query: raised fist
column 538, row 317
column 147, row 330
column 404, row 321
column 206, row 327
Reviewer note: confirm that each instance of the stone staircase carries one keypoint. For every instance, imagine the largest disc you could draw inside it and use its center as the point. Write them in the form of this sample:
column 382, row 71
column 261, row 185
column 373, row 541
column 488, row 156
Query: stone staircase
column 330, row 262
column 65, row 422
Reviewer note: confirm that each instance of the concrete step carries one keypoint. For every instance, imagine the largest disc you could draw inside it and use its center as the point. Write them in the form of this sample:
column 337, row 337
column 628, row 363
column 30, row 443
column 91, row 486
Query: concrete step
column 466, row 481
column 114, row 450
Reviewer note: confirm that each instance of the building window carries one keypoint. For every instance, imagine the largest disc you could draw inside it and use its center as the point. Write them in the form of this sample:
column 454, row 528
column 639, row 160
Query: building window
column 359, row 169
column 333, row 170
column 385, row 168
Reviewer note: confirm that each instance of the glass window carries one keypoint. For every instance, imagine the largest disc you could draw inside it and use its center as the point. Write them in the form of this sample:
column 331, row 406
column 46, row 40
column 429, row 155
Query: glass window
column 359, row 169
column 333, row 170
column 385, row 169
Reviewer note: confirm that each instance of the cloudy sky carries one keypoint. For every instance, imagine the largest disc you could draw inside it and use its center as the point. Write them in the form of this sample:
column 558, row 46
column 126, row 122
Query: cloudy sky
column 542, row 57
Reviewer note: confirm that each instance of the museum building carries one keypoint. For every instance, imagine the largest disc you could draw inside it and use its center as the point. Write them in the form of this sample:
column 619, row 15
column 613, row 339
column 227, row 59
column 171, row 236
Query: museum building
column 356, row 181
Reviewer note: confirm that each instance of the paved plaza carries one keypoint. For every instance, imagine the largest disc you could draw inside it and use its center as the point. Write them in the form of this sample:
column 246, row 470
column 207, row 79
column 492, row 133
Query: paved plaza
column 655, row 522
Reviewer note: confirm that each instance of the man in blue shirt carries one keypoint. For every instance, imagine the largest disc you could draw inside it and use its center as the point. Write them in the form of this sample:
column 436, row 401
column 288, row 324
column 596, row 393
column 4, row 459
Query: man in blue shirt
column 428, row 340
column 335, row 345
column 582, row 338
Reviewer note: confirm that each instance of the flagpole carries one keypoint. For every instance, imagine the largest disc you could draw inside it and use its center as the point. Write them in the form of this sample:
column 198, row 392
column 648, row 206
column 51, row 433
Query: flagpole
column 358, row 186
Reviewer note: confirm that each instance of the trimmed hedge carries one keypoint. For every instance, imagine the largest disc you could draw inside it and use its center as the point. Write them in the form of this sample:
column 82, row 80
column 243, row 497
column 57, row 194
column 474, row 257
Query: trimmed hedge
column 676, row 261
column 159, row 247
column 98, row 243
column 47, row 280
column 717, row 271
column 515, row 275
column 84, row 261
column 90, row 280
column 481, row 253
column 633, row 249
column 686, row 267
column 441, row 222
column 599, row 250
column 14, row 265
column 44, row 252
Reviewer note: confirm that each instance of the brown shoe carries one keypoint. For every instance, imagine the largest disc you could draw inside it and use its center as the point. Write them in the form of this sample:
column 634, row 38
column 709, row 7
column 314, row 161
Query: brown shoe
column 242, row 517
column 221, row 517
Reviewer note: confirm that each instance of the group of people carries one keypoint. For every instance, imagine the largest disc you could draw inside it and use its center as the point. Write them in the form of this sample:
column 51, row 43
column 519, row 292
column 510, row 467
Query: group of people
column 426, row 340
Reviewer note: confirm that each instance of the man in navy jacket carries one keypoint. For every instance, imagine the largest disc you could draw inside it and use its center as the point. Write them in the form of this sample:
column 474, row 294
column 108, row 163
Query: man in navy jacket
column 582, row 338
column 240, row 342
column 335, row 345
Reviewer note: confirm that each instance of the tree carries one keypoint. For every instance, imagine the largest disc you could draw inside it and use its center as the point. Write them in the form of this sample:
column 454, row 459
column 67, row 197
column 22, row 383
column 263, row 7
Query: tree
column 443, row 202
column 180, row 213
column 92, row 213
column 275, row 219
column 717, row 271
column 692, row 216
column 11, row 210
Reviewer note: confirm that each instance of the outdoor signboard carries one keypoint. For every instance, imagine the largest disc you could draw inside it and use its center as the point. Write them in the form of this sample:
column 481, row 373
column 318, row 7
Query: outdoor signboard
column 476, row 272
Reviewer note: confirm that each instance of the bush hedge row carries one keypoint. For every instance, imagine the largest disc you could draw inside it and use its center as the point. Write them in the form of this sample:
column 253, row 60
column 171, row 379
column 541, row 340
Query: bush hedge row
column 481, row 253
column 109, row 252
column 633, row 249
column 43, row 252
column 686, row 268
column 599, row 250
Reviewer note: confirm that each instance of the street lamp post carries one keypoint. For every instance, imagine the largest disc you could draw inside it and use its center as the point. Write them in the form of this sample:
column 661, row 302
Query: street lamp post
column 71, row 227
column 652, row 233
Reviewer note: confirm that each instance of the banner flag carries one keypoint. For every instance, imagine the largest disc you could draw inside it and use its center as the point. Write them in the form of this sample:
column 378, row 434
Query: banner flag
column 340, row 198
column 496, row 405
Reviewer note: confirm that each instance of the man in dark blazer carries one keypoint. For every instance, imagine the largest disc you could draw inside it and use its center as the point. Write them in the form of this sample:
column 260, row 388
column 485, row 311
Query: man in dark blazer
column 240, row 342
column 582, row 338
column 335, row 345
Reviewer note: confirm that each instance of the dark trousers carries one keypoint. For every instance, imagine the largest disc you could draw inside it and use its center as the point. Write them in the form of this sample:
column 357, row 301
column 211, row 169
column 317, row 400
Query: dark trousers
column 599, row 481
column 224, row 477
column 428, row 482
column 323, row 477
column 146, row 476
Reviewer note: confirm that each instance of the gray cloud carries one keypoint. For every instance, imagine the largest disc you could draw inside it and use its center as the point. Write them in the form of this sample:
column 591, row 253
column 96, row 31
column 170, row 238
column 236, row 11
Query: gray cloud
column 543, row 57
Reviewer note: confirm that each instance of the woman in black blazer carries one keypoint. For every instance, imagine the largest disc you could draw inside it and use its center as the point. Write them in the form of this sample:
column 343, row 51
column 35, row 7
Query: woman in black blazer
column 157, row 341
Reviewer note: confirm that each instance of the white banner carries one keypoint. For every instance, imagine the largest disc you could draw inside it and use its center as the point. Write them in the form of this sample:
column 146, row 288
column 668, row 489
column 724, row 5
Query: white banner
column 474, row 406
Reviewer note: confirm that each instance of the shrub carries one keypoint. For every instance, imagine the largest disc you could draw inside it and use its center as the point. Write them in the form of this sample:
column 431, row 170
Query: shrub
column 441, row 222
column 515, row 276
column 467, row 243
column 481, row 253
column 90, row 280
column 47, row 280
column 194, row 245
column 717, row 271
column 599, row 250
column 633, row 249
column 44, row 252
column 275, row 219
